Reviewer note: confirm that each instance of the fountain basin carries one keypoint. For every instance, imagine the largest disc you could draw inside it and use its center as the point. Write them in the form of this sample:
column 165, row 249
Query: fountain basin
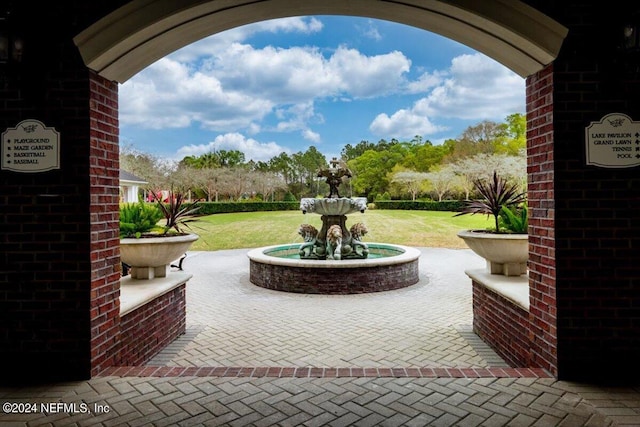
column 335, row 207
column 388, row 267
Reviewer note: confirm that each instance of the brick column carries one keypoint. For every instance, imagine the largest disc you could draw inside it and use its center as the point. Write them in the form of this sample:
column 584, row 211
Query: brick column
column 541, row 201
column 104, row 211
column 59, row 262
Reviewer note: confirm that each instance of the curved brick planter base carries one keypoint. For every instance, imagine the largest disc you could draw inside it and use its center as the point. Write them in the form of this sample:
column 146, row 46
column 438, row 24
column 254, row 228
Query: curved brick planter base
column 334, row 277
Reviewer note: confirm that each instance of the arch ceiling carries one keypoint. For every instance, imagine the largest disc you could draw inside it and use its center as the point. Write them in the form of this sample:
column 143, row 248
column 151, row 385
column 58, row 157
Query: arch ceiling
column 143, row 31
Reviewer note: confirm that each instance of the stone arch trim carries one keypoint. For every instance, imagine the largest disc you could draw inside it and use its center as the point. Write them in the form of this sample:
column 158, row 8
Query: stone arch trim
column 143, row 31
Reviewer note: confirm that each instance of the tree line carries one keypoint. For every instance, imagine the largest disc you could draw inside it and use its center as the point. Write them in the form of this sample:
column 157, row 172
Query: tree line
column 380, row 171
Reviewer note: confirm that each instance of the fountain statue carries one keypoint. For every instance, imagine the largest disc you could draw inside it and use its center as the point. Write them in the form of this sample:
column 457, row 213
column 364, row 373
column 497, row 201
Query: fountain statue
column 334, row 241
column 334, row 260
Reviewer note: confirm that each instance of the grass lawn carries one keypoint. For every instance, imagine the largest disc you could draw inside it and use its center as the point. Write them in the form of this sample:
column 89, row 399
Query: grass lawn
column 410, row 228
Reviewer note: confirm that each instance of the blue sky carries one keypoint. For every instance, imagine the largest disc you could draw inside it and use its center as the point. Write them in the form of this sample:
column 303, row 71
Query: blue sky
column 287, row 84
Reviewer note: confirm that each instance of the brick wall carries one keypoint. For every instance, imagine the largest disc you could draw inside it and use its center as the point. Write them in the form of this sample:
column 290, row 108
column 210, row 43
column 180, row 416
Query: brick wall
column 104, row 176
column 45, row 258
column 541, row 202
column 150, row 328
column 59, row 261
column 336, row 281
column 596, row 213
column 502, row 324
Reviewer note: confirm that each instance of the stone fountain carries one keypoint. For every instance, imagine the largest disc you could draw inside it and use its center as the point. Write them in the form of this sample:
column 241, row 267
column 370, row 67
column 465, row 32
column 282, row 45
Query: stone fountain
column 334, row 259
column 334, row 241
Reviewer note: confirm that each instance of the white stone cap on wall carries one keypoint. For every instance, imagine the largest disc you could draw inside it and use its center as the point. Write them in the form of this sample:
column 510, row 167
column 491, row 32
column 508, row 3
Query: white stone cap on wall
column 135, row 293
column 513, row 288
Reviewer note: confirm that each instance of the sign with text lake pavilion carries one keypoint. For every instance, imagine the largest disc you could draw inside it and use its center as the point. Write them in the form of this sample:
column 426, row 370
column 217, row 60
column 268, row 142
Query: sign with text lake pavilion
column 613, row 142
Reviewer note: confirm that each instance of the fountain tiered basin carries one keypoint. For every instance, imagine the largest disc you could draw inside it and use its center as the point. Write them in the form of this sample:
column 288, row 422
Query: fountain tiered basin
column 333, row 207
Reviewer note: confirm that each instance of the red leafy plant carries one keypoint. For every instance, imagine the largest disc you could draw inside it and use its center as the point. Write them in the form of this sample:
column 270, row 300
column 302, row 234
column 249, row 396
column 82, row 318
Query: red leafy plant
column 497, row 194
column 177, row 212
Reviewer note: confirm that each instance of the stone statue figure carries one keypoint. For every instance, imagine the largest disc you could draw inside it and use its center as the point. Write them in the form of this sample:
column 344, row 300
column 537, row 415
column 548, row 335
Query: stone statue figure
column 360, row 249
column 309, row 234
column 334, row 242
column 334, row 177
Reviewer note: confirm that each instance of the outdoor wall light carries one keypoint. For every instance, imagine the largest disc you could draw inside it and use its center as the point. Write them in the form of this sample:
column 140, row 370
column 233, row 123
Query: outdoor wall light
column 4, row 42
column 11, row 51
column 631, row 37
column 11, row 46
column 631, row 32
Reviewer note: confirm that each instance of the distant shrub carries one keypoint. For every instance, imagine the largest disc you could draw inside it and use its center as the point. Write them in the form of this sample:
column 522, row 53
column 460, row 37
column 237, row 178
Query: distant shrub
column 290, row 197
column 421, row 205
column 210, row 208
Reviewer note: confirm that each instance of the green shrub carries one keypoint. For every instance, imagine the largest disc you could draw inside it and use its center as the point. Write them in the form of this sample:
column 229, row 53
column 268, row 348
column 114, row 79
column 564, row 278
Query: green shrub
column 138, row 218
column 210, row 208
column 420, row 205
column 514, row 220
column 289, row 197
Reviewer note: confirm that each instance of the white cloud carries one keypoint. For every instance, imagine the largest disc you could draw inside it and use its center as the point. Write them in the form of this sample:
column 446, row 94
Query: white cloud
column 370, row 30
column 369, row 76
column 425, row 82
column 222, row 96
column 252, row 149
column 224, row 85
column 218, row 42
column 475, row 87
column 169, row 95
column 301, row 74
column 296, row 118
column 310, row 135
column 403, row 124
column 478, row 88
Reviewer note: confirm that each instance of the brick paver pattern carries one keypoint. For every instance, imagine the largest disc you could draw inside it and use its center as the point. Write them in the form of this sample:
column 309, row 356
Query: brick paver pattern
column 232, row 322
column 254, row 357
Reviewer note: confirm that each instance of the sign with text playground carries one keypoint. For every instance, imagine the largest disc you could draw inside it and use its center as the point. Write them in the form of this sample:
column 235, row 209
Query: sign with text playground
column 30, row 147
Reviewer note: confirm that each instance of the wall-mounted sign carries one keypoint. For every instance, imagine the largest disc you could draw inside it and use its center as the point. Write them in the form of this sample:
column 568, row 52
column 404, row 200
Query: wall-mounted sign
column 30, row 147
column 613, row 142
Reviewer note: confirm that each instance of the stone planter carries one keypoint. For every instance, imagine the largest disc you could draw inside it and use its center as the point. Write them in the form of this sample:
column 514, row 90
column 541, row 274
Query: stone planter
column 149, row 257
column 505, row 254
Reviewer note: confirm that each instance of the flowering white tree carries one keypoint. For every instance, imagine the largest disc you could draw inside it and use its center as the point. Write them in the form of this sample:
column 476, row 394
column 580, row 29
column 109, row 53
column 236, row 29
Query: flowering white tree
column 443, row 181
column 265, row 183
column 411, row 181
column 482, row 166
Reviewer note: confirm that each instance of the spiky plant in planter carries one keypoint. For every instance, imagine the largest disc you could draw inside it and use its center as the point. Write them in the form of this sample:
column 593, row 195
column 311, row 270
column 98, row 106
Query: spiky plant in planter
column 177, row 212
column 497, row 194
column 506, row 246
column 150, row 254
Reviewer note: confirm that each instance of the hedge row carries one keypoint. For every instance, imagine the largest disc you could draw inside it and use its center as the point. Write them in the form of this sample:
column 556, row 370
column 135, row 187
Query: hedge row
column 209, row 208
column 420, row 205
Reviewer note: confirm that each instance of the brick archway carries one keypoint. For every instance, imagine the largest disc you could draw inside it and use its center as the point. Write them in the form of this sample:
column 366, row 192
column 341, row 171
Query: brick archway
column 515, row 34
column 141, row 32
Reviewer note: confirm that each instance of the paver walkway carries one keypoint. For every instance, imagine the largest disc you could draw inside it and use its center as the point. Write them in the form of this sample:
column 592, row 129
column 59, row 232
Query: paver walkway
column 255, row 357
column 232, row 322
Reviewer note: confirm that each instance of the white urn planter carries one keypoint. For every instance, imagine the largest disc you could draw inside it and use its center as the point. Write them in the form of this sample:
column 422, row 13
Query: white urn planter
column 150, row 257
column 505, row 253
